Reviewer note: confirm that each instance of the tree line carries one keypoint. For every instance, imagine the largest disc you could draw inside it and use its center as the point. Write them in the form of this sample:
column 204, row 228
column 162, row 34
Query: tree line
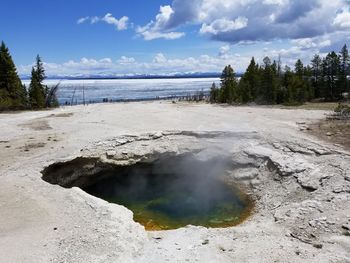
column 16, row 96
column 324, row 79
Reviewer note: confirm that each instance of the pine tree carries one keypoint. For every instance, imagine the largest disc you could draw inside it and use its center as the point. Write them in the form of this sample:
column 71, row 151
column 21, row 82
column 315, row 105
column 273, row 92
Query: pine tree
column 299, row 84
column 12, row 92
column 268, row 82
column 243, row 92
column 279, row 66
column 228, row 85
column 252, row 79
column 287, row 92
column 307, row 77
column 331, row 68
column 324, row 77
column 36, row 87
column 317, row 80
column 299, row 68
column 214, row 93
column 344, row 69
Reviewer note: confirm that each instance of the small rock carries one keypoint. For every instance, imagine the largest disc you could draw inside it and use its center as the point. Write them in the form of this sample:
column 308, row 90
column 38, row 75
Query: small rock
column 312, row 223
column 346, row 226
column 245, row 174
column 205, row 242
column 157, row 135
column 319, row 246
column 329, row 134
column 346, row 233
column 111, row 154
column 309, row 181
column 222, row 249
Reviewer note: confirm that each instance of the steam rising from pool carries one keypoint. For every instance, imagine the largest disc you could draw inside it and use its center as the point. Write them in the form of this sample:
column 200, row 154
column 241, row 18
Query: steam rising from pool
column 174, row 192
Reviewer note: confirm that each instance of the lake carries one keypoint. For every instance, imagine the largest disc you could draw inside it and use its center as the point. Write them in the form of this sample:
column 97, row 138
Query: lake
column 98, row 90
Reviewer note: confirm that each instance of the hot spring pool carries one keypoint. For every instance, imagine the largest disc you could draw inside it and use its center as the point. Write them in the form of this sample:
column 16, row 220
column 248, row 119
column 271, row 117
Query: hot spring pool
column 173, row 193
column 167, row 193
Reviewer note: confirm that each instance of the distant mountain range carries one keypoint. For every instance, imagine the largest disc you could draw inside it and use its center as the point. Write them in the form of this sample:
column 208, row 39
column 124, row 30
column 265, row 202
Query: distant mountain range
column 135, row 76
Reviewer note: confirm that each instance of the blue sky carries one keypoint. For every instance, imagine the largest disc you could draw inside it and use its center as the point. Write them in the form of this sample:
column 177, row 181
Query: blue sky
column 127, row 37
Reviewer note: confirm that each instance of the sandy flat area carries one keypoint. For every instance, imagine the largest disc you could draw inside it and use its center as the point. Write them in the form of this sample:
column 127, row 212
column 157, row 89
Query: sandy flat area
column 300, row 183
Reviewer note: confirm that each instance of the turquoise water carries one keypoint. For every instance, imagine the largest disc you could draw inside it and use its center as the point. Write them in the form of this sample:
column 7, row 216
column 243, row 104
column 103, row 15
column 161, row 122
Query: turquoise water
column 172, row 198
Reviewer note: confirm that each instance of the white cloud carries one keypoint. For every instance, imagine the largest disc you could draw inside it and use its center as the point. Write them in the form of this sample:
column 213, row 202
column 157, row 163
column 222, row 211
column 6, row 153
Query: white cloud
column 119, row 24
column 274, row 2
column 126, row 60
column 162, row 63
column 151, row 35
column 82, row 20
column 165, row 64
column 312, row 43
column 159, row 58
column 163, row 17
column 247, row 21
column 324, row 43
column 224, row 50
column 159, row 64
column 342, row 20
column 106, row 60
column 304, row 43
column 156, row 29
column 224, row 25
column 94, row 20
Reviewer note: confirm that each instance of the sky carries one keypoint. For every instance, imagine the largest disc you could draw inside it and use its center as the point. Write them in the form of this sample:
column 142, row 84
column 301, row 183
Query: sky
column 115, row 37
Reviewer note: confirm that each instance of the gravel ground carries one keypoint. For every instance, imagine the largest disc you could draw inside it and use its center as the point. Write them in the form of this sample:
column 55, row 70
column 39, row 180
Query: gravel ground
column 300, row 184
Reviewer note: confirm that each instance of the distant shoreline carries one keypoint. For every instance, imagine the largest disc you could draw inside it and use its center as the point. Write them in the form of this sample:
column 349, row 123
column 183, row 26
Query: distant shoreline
column 214, row 75
column 188, row 98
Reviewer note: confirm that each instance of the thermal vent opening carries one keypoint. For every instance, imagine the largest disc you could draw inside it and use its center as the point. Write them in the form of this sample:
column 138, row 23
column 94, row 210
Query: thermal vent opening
column 168, row 193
